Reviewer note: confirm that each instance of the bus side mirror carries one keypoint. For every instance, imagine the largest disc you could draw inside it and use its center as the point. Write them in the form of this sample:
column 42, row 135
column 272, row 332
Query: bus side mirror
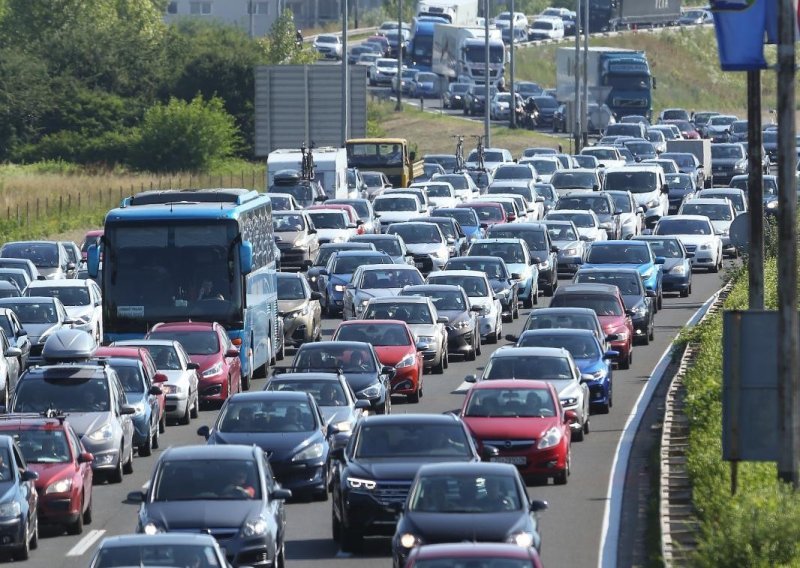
column 246, row 257
column 412, row 155
column 93, row 261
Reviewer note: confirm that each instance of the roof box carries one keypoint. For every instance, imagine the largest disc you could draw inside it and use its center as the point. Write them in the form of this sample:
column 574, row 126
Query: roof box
column 68, row 345
column 225, row 195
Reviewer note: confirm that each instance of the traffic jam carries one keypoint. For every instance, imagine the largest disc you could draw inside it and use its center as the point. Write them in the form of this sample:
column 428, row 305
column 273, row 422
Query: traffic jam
column 300, row 330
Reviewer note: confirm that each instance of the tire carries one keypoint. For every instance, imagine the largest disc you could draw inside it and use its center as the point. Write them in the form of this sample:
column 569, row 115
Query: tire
column 446, row 357
column 586, row 425
column 280, row 557
column 439, row 368
column 77, row 526
column 478, row 349
column 156, row 438
column 492, row 338
column 128, row 467
column 626, row 364
column 116, row 475
column 336, row 527
column 187, row 416
column 562, row 477
column 535, row 297
column 162, row 425
column 578, row 436
column 471, row 355
column 24, row 551
column 685, row 293
column 515, row 311
column 350, row 541
column 652, row 334
column 195, row 412
column 660, row 300
column 527, row 303
column 87, row 514
column 413, row 398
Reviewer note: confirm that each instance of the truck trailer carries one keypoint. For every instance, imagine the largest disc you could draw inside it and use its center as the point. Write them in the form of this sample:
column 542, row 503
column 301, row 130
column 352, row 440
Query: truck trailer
column 459, row 53
column 456, row 12
column 330, row 171
column 610, row 15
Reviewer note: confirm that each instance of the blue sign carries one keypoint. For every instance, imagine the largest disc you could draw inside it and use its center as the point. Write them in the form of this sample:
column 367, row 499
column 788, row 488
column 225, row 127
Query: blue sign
column 741, row 29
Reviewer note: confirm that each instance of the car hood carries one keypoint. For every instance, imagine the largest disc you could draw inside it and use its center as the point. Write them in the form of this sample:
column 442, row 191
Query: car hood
column 388, row 217
column 423, row 329
column 443, row 202
column 281, row 445
column 37, row 330
column 721, row 225
column 453, row 316
column 360, row 381
column 641, row 268
column 695, row 239
column 87, row 422
column 75, row 312
column 332, row 234
column 457, row 527
column 497, row 428
column 377, row 292
column 631, row 300
column 717, row 127
column 611, row 323
column 726, row 161
column 334, row 414
column 396, row 469
column 47, row 271
column 343, row 279
column 670, row 263
column 424, row 248
column 391, row 355
column 201, row 514
column 289, row 237
column 176, row 377
column 564, row 245
column 590, row 232
column 49, row 472
column 205, row 361
column 287, row 306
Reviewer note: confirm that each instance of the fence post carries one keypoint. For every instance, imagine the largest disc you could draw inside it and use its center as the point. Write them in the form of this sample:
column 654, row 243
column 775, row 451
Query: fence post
column 27, row 213
column 60, row 205
column 79, row 202
column 37, row 207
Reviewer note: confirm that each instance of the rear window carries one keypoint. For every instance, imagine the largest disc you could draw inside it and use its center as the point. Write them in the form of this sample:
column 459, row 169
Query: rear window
column 193, row 342
column 601, row 305
column 67, row 394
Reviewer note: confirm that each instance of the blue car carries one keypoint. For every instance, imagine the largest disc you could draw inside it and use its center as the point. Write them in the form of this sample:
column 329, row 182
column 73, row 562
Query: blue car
column 677, row 268
column 629, row 254
column 143, row 397
column 467, row 218
column 334, row 278
column 519, row 262
column 593, row 362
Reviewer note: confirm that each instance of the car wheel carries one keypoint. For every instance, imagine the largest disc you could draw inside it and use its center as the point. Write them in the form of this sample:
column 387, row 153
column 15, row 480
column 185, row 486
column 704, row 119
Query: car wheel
column 77, row 526
column 116, row 475
column 87, row 514
column 162, row 424
column 446, row 357
column 35, row 537
column 282, row 351
column 586, row 424
column 492, row 337
column 414, row 397
column 626, row 363
column 156, row 438
column 195, row 412
column 652, row 334
column 561, row 477
column 127, row 467
column 280, row 558
column 515, row 311
column 438, row 369
column 660, row 302
column 477, row 342
column 187, row 416
column 24, row 550
column 336, row 527
column 472, row 354
column 510, row 317
column 534, row 296
column 577, row 436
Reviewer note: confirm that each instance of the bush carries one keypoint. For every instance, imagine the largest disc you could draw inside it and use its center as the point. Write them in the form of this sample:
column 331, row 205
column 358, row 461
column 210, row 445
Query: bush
column 106, row 149
column 185, row 136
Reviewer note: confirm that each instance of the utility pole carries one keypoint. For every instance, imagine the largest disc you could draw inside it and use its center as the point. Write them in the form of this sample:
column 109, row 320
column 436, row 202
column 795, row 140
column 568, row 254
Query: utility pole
column 345, row 77
column 788, row 358
column 487, row 133
column 355, row 13
column 513, row 104
column 585, row 106
column 251, row 16
column 399, row 106
column 576, row 119
column 755, row 193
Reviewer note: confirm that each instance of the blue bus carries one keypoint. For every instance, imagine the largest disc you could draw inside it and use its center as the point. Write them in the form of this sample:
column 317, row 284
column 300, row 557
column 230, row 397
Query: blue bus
column 422, row 41
column 200, row 255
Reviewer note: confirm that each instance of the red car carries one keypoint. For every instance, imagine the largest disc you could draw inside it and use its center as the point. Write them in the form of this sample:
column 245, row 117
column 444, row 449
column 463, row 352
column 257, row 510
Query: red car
column 91, row 238
column 489, row 212
column 395, row 346
column 208, row 345
column 56, row 454
column 688, row 130
column 483, row 554
column 153, row 376
column 525, row 422
column 607, row 303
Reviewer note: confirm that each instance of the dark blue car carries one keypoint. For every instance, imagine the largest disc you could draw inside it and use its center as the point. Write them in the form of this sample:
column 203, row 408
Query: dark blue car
column 677, row 268
column 594, row 363
column 336, row 275
column 19, row 502
column 467, row 218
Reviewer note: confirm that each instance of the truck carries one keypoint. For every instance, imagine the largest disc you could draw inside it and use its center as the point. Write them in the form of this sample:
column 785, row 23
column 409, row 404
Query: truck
column 702, row 151
column 459, row 53
column 330, row 170
column 392, row 156
column 421, row 45
column 619, row 78
column 456, row 12
column 610, row 15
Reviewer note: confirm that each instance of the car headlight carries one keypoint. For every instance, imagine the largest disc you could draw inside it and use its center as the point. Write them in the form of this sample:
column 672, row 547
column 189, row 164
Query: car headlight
column 359, row 483
column 523, row 539
column 647, row 274
column 339, row 287
column 212, row 371
column 371, row 391
column 151, row 528
column 254, row 527
column 82, row 320
column 44, row 337
column 640, row 310
column 622, row 335
column 364, row 303
column 569, row 401
column 406, row 361
column 772, row 205
column 607, row 225
column 312, row 278
column 312, row 452
column 463, row 324
column 551, row 438
column 61, row 486
column 408, row 540
column 705, row 247
column 570, row 252
column 740, row 166
column 170, row 389
column 544, row 265
column 679, row 269
column 105, row 432
column 343, row 426
column 12, row 509
column 597, row 375
column 722, row 232
column 441, row 253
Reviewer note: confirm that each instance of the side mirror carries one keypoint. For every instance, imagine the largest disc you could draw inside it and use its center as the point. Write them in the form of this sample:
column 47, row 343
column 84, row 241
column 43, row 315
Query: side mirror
column 155, row 391
column 476, row 309
column 204, row 431
column 135, row 497
column 312, row 231
column 570, row 416
column 595, row 187
column 390, row 372
column 232, row 352
column 352, row 226
column 160, row 378
column 246, row 257
column 85, row 457
column 13, row 352
column 584, row 238
column 322, row 272
column 650, row 293
column 489, row 452
column 127, row 410
column 316, row 296
column 554, row 248
column 71, row 266
column 471, row 379
column 538, row 506
column 338, row 453
column 29, row 475
column 308, row 263
column 93, row 261
column 22, row 333
column 610, row 354
column 362, row 405
column 640, row 209
column 629, row 313
column 689, row 255
column 443, row 319
column 192, row 366
column 280, row 494
column 586, row 378
column 665, row 188
column 512, row 338
column 660, row 260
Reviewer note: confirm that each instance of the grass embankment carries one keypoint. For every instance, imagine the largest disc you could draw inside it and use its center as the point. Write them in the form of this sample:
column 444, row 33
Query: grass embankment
column 684, row 62
column 760, row 525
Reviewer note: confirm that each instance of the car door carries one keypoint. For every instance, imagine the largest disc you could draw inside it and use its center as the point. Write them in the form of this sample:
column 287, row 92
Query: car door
column 125, row 421
column 26, row 488
column 234, row 362
column 12, row 363
column 275, row 507
column 193, row 378
column 20, row 337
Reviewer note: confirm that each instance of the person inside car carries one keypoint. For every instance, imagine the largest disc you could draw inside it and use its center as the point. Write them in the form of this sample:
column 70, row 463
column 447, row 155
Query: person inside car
column 330, row 396
column 239, row 484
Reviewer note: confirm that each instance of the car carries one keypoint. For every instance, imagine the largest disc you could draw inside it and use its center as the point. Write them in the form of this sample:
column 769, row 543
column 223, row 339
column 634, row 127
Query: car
column 548, row 193
column 20, row 530
column 607, row 303
column 425, row 241
column 687, row 129
column 377, row 468
column 464, row 186
column 534, row 205
column 448, row 162
column 358, row 361
column 769, row 188
column 696, row 17
column 289, row 427
column 514, row 172
column 673, row 114
column 492, row 158
column 141, row 549
column 639, row 302
column 700, row 120
column 500, row 106
column 9, row 289
column 727, row 160
column 382, row 71
column 92, row 237
column 657, row 139
column 217, row 359
column 453, row 233
column 300, row 308
column 329, row 46
column 49, row 257
column 736, row 196
column 380, row 41
column 475, row 99
column 718, row 127
column 398, row 42
column 555, row 366
column 641, row 149
column 40, row 316
column 682, row 188
column 507, row 414
column 608, row 156
column 284, row 202
column 368, row 59
column 396, row 208
column 527, row 88
column 355, row 182
column 429, row 169
column 370, row 224
column 480, row 292
column 16, row 336
column 546, row 106
column 325, row 253
column 593, row 360
column 688, row 164
column 392, row 245
column 566, row 181
column 467, row 219
column 52, row 450
column 296, row 237
column 698, row 237
column 670, row 131
column 629, row 254
column 376, row 183
column 504, row 286
column 542, row 251
column 16, row 276
column 447, row 503
column 586, row 222
column 565, row 318
column 183, row 378
column 519, row 263
column 571, row 248
column 81, row 299
column 490, row 553
column 720, row 212
column 190, row 482
column 428, row 85
column 426, row 325
column 538, row 151
column 440, row 193
column 668, row 166
column 305, row 191
column 374, row 282
column 454, row 95
column 357, row 50
column 630, row 216
column 332, row 225
column 338, row 273
column 545, row 166
column 408, row 82
column 677, row 268
column 647, row 184
column 489, row 212
column 600, row 203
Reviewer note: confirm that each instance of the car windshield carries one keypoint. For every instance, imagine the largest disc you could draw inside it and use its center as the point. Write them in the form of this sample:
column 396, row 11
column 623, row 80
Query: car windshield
column 513, row 172
column 372, row 179
column 641, row 148
column 465, row 494
column 634, row 182
column 288, row 222
column 360, row 205
column 34, row 312
column 267, row 416
column 301, row 192
column 164, row 356
column 622, row 202
column 546, row 167
column 328, row 220
column 573, row 180
column 69, row 295
column 601, row 304
column 560, row 321
column 443, row 300
column 281, row 202
column 389, row 278
column 509, row 252
column 348, row 358
column 581, row 346
column 206, row 480
column 683, row 227
column 601, row 153
column 680, row 181
column 325, row 393
column 417, row 233
column 404, row 440
column 447, row 162
column 712, row 211
column 193, row 342
column 489, row 212
column 581, row 220
column 493, row 268
column 389, row 246
column 158, row 555
column 721, row 121
column 534, row 238
column 613, row 254
column 411, row 313
column 327, row 39
column 349, row 264
column 40, row 445
column 668, row 248
column 43, row 255
column 599, row 204
column 458, row 181
column 628, row 284
column 64, row 393
column 511, row 402
column 130, row 377
column 736, row 199
column 324, row 254
column 482, row 561
column 394, row 203
column 465, row 217
column 770, row 187
column 290, row 289
column 528, row 367
column 488, row 156
column 724, row 152
column 683, row 160
column 17, row 278
column 460, row 88
column 474, row 286
column 562, row 233
column 382, row 335
column 438, row 190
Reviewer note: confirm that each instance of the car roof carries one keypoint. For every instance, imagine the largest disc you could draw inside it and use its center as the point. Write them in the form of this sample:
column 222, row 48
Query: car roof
column 28, row 300
column 305, row 376
column 538, row 226
column 475, row 273
column 361, row 322
column 684, row 217
column 510, row 351
column 709, row 201
column 143, row 343
column 585, row 287
column 550, row 331
column 410, row 418
column 585, row 194
column 145, row 540
column 354, row 253
column 614, row 243
column 216, row 452
column 499, row 240
column 432, row 288
column 720, row 190
column 183, row 326
column 563, row 310
column 404, row 299
column 119, row 351
column 520, row 383
column 462, row 468
column 472, row 550
column 270, row 395
column 60, row 283
column 372, row 267
column 346, row 246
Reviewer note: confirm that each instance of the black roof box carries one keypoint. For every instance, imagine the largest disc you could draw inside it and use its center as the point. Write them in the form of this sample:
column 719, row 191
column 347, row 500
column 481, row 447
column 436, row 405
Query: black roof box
column 284, row 177
column 189, row 195
column 67, row 345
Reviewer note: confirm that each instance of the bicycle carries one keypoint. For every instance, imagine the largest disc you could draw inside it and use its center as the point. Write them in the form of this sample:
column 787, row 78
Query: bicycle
column 459, row 152
column 480, row 153
column 307, row 165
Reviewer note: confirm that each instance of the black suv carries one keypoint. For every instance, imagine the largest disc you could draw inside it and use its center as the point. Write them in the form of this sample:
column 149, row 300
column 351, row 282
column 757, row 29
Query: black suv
column 306, row 192
column 375, row 471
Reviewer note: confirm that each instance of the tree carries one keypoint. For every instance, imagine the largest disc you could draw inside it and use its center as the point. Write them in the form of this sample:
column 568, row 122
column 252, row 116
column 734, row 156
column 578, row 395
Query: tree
column 280, row 46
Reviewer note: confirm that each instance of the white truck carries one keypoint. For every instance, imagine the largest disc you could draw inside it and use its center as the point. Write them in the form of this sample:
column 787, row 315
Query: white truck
column 459, row 53
column 330, row 171
column 702, row 151
column 456, row 12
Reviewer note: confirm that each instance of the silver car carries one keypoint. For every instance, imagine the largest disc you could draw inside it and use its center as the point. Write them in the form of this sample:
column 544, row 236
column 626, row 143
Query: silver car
column 480, row 294
column 41, row 317
column 81, row 299
column 429, row 329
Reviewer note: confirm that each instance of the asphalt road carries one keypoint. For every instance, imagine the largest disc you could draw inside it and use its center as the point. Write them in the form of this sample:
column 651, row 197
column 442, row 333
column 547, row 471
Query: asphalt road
column 571, row 528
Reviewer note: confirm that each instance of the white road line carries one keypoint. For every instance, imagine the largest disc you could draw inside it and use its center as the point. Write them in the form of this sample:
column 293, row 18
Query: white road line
column 612, row 516
column 86, row 543
column 463, row 387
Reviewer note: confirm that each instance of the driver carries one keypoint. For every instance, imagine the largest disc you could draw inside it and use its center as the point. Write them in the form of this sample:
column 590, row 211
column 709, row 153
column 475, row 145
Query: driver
column 92, row 402
column 330, row 397
column 239, row 483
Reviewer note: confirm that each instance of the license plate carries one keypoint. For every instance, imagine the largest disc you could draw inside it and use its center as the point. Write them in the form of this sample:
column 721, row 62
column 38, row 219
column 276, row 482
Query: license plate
column 514, row 460
column 419, row 264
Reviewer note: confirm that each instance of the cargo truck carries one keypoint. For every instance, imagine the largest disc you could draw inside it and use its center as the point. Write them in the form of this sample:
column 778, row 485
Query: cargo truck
column 459, row 53
column 702, row 151
column 456, row 12
column 619, row 78
column 392, row 156
column 609, row 15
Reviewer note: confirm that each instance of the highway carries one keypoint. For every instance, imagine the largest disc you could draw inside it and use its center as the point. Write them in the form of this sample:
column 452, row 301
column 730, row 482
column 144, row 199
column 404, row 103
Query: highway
column 571, row 529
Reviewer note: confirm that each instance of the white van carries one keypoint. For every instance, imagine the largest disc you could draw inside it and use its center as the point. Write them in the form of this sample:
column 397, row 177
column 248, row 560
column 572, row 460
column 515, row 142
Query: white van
column 330, row 171
column 546, row 27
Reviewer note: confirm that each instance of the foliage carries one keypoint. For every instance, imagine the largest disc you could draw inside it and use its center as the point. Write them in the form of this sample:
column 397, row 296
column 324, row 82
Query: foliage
column 280, row 46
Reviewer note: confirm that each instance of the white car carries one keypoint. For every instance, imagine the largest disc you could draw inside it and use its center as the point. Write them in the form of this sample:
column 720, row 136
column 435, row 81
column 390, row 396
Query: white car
column 568, row 181
column 545, row 166
column 631, row 215
column 368, row 59
column 587, row 223
column 719, row 211
column 329, row 46
column 480, row 294
column 500, row 108
column 440, row 193
column 648, row 185
column 396, row 208
column 332, row 225
column 463, row 184
column 547, row 27
column 526, row 189
column 698, row 237
column 509, row 172
column 382, row 71
column 608, row 156
column 503, row 20
column 513, row 204
column 180, row 389
column 81, row 298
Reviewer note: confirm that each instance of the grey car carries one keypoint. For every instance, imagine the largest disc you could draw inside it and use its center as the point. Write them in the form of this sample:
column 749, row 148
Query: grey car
column 571, row 249
column 300, row 309
column 41, row 317
column 393, row 245
column 49, row 257
column 139, row 549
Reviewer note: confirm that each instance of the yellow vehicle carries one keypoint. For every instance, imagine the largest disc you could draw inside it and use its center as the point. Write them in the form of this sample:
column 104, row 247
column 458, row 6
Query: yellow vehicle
column 388, row 155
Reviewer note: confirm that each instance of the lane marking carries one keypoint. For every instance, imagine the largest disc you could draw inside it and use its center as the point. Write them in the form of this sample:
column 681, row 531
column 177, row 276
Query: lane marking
column 612, row 515
column 86, row 542
column 463, row 387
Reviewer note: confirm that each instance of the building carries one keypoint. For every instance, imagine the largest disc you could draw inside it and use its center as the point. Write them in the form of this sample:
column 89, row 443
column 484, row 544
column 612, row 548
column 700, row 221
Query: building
column 253, row 16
